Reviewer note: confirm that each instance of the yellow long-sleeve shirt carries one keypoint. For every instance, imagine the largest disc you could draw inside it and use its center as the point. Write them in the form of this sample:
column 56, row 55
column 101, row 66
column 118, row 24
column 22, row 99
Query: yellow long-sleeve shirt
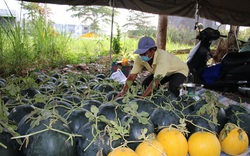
column 164, row 64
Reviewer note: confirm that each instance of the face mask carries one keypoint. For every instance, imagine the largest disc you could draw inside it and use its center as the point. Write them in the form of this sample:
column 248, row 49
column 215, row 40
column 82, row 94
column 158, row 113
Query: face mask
column 145, row 58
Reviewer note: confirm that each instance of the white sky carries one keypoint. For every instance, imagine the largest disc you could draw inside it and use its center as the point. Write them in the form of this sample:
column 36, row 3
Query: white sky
column 61, row 16
column 12, row 3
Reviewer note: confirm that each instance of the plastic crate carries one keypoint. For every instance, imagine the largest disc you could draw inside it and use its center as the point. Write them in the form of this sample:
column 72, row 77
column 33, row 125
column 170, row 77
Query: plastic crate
column 124, row 69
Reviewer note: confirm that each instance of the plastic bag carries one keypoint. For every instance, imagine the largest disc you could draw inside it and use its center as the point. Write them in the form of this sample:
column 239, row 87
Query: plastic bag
column 118, row 76
column 212, row 73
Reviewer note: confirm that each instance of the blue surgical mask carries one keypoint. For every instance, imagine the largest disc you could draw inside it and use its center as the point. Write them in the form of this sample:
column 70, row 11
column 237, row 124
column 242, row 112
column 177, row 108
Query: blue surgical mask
column 145, row 58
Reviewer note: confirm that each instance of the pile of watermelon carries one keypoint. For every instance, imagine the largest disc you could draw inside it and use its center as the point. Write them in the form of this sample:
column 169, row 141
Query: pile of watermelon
column 76, row 115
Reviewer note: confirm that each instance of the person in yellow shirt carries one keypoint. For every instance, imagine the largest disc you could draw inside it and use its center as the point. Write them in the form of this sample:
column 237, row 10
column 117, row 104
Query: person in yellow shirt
column 163, row 66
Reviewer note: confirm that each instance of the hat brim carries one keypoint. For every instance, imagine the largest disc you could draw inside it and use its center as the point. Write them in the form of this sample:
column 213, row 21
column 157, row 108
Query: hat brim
column 141, row 51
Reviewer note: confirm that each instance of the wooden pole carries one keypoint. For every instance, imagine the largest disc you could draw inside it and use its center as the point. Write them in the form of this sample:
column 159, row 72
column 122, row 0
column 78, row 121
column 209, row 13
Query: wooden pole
column 232, row 39
column 112, row 2
column 161, row 37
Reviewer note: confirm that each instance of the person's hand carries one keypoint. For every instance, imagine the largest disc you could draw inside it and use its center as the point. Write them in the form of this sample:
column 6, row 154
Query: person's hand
column 141, row 97
column 127, row 85
column 119, row 95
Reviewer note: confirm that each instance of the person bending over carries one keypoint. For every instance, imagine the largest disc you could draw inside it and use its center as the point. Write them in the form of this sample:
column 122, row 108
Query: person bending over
column 163, row 66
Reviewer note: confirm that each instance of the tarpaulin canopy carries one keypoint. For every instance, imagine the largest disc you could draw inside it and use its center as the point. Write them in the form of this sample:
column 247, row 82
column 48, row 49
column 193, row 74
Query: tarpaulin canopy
column 233, row 12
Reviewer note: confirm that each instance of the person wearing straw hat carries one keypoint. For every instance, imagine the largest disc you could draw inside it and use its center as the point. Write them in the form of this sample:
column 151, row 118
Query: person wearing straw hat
column 163, row 66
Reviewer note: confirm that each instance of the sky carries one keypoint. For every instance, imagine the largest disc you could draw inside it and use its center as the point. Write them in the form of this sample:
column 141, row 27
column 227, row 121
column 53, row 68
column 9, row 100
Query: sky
column 61, row 16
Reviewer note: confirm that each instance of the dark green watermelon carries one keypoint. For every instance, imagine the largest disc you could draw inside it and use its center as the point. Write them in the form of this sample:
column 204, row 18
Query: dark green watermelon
column 135, row 130
column 222, row 119
column 81, row 88
column 104, row 88
column 39, row 104
column 92, row 143
column 160, row 100
column 24, row 124
column 88, row 103
column 17, row 113
column 182, row 107
column 169, row 95
column 49, row 142
column 2, row 82
column 75, row 100
column 61, row 106
column 111, row 95
column 29, row 93
column 122, row 101
column 98, row 96
column 46, row 89
column 111, row 111
column 242, row 120
column 201, row 124
column 143, row 105
column 100, row 75
column 77, row 119
column 197, row 105
column 187, row 101
column 5, row 99
column 56, row 75
column 83, row 79
column 161, row 117
column 232, row 109
column 11, row 144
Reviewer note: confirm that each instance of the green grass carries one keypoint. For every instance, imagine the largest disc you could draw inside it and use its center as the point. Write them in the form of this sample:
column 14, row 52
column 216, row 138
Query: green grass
column 36, row 45
column 45, row 50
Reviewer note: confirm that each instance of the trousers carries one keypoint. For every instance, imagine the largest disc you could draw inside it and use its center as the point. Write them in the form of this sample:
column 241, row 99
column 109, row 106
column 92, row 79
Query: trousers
column 174, row 80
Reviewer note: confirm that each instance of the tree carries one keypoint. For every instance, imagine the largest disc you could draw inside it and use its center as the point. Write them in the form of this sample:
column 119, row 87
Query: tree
column 117, row 42
column 139, row 24
column 93, row 14
column 35, row 10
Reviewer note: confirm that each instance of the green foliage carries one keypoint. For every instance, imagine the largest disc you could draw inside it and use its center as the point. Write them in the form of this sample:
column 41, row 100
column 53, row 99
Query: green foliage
column 244, row 34
column 2, row 39
column 93, row 14
column 35, row 44
column 181, row 35
column 212, row 106
column 117, row 42
column 15, row 50
column 151, row 31
column 132, row 111
column 49, row 47
column 35, row 9
column 5, row 124
column 139, row 24
column 88, row 50
column 32, row 44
